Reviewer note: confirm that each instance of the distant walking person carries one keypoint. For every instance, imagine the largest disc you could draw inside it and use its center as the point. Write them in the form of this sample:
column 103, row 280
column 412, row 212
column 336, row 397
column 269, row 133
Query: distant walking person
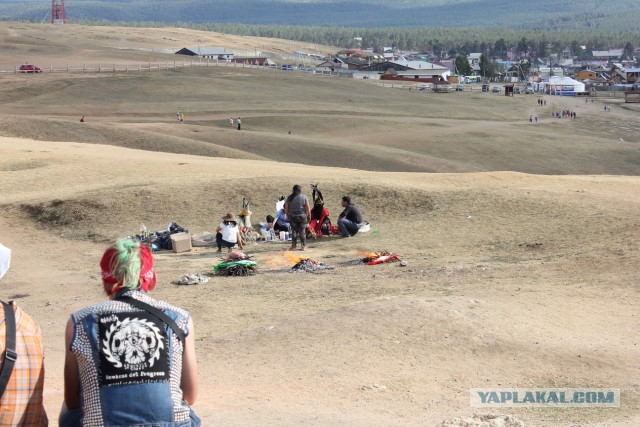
column 181, row 118
column 82, row 119
column 231, row 122
column 239, row 123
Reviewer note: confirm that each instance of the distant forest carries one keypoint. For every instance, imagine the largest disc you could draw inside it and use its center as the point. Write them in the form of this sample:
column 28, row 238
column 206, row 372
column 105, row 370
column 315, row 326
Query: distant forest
column 540, row 15
column 450, row 26
column 450, row 41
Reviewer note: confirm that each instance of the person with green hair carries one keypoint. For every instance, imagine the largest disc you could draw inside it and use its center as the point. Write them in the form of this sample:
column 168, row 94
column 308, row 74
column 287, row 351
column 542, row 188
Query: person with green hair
column 130, row 360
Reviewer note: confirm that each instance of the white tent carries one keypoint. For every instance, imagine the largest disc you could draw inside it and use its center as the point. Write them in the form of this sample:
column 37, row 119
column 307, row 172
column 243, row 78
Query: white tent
column 564, row 86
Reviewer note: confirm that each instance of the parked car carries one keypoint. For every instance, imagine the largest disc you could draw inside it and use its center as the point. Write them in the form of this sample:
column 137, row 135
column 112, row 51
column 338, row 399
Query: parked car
column 528, row 89
column 460, row 88
column 517, row 90
column 485, row 87
column 30, row 68
column 495, row 89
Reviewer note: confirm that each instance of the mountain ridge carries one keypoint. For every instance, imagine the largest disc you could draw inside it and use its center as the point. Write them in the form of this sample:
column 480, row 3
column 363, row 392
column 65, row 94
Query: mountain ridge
column 615, row 15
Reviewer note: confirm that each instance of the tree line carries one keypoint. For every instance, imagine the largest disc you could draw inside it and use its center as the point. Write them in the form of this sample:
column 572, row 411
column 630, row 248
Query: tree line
column 542, row 15
column 449, row 42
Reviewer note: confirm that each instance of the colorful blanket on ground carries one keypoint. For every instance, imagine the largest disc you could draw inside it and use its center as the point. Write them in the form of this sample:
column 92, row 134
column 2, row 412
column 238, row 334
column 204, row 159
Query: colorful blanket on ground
column 236, row 268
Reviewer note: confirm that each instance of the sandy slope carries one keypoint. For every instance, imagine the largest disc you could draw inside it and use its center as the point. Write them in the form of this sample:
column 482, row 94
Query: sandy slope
column 513, row 279
column 480, row 303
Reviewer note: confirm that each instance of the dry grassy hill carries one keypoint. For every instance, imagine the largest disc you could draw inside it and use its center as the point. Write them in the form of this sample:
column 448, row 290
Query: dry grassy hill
column 522, row 250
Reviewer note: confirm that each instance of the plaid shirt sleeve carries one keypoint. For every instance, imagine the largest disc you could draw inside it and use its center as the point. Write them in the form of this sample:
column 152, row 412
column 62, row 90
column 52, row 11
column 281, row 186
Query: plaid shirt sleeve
column 21, row 404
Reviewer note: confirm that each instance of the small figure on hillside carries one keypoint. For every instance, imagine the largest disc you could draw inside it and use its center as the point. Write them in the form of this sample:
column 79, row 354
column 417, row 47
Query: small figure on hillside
column 545, row 102
column 82, row 119
column 231, row 122
column 239, row 123
column 536, row 119
column 181, row 118
column 531, row 118
column 178, row 116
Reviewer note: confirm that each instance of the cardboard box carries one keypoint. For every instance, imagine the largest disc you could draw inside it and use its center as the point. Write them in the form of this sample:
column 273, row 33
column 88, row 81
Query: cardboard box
column 181, row 242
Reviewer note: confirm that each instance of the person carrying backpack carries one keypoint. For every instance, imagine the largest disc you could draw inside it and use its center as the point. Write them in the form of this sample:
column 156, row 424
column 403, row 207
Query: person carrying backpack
column 130, row 360
column 22, row 372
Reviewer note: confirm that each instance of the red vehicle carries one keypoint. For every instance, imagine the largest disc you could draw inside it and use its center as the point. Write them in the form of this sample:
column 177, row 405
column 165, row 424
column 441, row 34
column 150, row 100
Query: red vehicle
column 29, row 68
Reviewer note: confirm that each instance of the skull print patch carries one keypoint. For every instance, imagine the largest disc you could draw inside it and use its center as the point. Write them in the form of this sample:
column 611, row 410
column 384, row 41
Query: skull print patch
column 133, row 348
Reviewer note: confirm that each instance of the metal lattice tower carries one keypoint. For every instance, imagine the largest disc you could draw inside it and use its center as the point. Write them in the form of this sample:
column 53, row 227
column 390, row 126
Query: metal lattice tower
column 58, row 15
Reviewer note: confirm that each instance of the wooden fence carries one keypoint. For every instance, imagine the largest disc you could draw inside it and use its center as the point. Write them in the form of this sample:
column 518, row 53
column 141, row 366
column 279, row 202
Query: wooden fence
column 160, row 66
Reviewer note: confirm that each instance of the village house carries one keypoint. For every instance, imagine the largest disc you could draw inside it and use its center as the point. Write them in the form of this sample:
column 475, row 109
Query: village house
column 627, row 75
column 586, row 75
column 217, row 53
column 333, row 65
column 407, row 70
column 608, row 55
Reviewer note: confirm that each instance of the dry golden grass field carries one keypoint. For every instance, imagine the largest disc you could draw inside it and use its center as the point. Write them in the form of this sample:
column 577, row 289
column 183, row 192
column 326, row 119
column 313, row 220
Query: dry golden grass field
column 522, row 241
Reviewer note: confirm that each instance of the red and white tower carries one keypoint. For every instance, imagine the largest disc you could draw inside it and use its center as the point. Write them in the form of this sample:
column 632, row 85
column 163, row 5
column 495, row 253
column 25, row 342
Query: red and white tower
column 58, row 15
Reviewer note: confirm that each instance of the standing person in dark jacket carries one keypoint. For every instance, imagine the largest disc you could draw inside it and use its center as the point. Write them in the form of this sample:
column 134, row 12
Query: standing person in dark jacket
column 298, row 211
column 350, row 219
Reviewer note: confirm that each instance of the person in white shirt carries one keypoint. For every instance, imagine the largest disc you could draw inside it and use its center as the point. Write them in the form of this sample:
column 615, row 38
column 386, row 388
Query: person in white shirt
column 228, row 233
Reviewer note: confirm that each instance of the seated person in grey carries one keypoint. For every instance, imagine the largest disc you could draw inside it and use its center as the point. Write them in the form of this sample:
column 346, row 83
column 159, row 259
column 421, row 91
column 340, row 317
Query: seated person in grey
column 350, row 219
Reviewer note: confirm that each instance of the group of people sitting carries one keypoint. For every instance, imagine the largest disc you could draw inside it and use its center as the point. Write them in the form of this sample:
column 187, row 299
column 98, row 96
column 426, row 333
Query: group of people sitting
column 295, row 215
column 130, row 360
